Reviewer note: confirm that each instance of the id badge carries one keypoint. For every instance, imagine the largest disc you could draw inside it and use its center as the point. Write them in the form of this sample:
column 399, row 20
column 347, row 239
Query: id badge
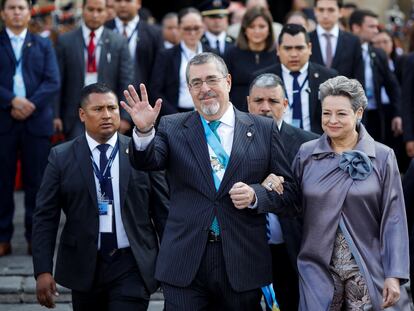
column 105, row 209
column 90, row 78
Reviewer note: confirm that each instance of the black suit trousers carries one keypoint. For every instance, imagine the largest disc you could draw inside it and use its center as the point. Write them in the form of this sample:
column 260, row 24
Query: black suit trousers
column 33, row 151
column 285, row 279
column 117, row 286
column 210, row 290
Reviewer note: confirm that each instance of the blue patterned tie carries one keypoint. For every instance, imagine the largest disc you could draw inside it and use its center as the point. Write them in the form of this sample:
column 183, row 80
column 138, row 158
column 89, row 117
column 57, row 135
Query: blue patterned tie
column 213, row 126
column 297, row 100
column 108, row 239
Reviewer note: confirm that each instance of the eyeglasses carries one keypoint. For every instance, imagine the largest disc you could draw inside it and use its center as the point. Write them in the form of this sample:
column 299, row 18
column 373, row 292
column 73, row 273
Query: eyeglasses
column 211, row 81
column 192, row 29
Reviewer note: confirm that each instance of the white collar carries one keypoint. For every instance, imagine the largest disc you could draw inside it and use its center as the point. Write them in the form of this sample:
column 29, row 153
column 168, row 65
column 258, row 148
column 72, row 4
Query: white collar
column 228, row 117
column 86, row 32
column 364, row 46
column 21, row 35
column 131, row 25
column 334, row 31
column 212, row 37
column 302, row 70
column 191, row 53
column 92, row 143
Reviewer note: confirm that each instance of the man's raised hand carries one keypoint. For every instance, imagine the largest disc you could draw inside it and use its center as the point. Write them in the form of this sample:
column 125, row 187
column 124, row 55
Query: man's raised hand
column 142, row 113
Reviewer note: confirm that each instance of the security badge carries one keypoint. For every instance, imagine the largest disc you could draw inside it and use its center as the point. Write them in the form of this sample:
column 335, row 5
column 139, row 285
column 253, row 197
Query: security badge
column 105, row 209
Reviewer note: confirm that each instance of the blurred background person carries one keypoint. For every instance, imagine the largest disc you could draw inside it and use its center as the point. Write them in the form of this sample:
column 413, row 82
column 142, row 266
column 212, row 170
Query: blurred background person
column 346, row 10
column 168, row 79
column 234, row 29
column 110, row 10
column 254, row 50
column 300, row 77
column 332, row 47
column 86, row 55
column 384, row 40
column 29, row 81
column 170, row 32
column 357, row 256
column 216, row 21
column 382, row 117
column 144, row 40
column 299, row 18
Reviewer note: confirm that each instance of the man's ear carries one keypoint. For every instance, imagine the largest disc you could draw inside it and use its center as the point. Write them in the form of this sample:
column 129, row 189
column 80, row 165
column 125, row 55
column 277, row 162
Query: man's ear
column 82, row 114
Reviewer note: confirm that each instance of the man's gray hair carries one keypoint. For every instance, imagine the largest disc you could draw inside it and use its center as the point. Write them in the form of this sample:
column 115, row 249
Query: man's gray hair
column 204, row 58
column 267, row 80
column 342, row 86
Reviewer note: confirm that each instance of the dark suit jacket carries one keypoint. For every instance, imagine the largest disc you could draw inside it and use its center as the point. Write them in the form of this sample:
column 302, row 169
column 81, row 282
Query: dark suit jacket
column 384, row 77
column 348, row 58
column 180, row 146
column 165, row 81
column 68, row 184
column 41, row 79
column 317, row 74
column 408, row 98
column 149, row 42
column 229, row 43
column 114, row 69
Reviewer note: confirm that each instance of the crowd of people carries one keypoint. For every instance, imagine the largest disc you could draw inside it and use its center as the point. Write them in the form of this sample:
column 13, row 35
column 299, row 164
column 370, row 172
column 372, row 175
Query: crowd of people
column 226, row 162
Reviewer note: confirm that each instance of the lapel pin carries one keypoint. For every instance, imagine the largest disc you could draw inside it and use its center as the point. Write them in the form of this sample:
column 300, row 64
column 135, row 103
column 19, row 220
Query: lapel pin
column 316, row 75
column 29, row 44
column 127, row 150
column 249, row 134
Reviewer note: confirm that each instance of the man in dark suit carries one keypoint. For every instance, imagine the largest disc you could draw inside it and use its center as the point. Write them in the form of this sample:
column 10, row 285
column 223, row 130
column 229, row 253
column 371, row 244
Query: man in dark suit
column 215, row 18
column 115, row 216
column 214, row 253
column 86, row 55
column 382, row 119
column 333, row 47
column 300, row 77
column 144, row 40
column 268, row 98
column 29, row 80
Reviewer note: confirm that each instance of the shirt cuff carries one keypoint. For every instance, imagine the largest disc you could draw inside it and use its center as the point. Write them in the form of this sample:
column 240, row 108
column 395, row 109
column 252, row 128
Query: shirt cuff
column 254, row 206
column 141, row 142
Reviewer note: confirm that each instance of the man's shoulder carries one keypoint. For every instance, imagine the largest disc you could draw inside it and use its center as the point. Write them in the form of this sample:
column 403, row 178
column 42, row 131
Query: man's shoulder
column 350, row 38
column 62, row 150
column 322, row 70
column 275, row 69
column 304, row 135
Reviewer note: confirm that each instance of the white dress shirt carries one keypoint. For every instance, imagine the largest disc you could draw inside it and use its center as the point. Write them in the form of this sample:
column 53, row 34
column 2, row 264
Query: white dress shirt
column 304, row 96
column 131, row 32
column 121, row 236
column 184, row 97
column 212, row 40
column 322, row 40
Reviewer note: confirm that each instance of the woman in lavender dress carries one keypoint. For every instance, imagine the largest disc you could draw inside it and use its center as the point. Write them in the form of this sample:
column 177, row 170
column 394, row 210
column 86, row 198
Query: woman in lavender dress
column 354, row 252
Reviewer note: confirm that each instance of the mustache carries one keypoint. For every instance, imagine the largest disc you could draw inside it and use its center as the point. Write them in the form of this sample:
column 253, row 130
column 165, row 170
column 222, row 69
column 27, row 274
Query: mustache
column 208, row 94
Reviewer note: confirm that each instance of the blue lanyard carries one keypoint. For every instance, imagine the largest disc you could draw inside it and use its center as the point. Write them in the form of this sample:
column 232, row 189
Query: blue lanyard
column 108, row 166
column 132, row 34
